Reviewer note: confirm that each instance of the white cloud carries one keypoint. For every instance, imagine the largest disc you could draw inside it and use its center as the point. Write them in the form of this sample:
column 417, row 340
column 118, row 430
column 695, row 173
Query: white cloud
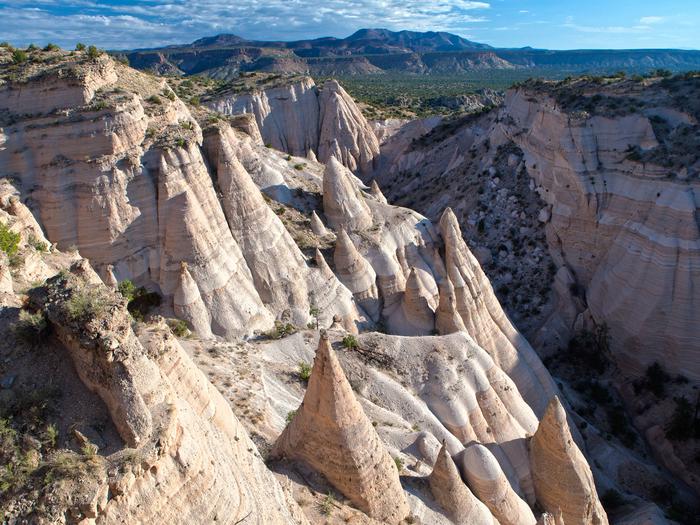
column 648, row 20
column 158, row 22
column 605, row 29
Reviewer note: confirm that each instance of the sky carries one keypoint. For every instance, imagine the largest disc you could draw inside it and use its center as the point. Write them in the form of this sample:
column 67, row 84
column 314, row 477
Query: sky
column 552, row 24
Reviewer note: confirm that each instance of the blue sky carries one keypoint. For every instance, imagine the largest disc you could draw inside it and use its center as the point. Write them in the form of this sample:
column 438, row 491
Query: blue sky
column 553, row 24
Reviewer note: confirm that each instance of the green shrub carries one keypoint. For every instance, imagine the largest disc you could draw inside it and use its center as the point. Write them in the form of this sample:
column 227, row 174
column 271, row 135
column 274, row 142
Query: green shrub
column 80, row 46
column 399, row 464
column 350, row 342
column 51, row 47
column 32, row 328
column 195, row 101
column 38, row 245
column 169, row 95
column 154, row 99
column 86, row 303
column 93, row 52
column 299, row 167
column 19, row 56
column 281, row 330
column 684, row 423
column 127, row 289
column 304, row 372
column 326, row 505
column 9, row 240
column 290, row 415
column 31, row 47
column 178, row 327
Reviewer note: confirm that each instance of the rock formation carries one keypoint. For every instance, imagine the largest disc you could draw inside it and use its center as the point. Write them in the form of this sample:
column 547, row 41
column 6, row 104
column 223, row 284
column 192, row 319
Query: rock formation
column 317, row 225
column 343, row 203
column 377, row 192
column 490, row 484
column 454, row 496
column 418, row 318
column 562, row 478
column 356, row 274
column 447, row 318
column 331, row 433
column 303, row 120
column 188, row 304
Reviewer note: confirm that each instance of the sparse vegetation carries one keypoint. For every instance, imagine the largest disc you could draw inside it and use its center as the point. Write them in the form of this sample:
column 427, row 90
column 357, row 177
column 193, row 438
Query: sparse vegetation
column 179, row 327
column 290, row 415
column 80, row 46
column 9, row 240
column 19, row 56
column 32, row 328
column 326, row 505
column 51, row 47
column 399, row 463
column 139, row 300
column 154, row 99
column 304, row 372
column 86, row 303
column 281, row 330
column 93, row 52
column 350, row 342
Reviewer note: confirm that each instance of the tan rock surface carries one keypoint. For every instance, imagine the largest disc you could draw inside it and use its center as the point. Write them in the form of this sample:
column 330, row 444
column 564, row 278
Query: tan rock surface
column 343, row 203
column 332, row 434
column 563, row 479
column 454, row 496
column 489, row 483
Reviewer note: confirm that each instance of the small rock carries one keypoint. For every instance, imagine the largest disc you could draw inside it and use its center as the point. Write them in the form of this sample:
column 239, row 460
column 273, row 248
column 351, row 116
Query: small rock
column 544, row 215
column 8, row 380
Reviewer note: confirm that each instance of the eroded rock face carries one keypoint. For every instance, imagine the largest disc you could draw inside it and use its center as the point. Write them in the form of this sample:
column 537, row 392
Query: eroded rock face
column 454, row 496
column 331, row 433
column 343, row 203
column 563, row 479
column 628, row 233
column 194, row 461
column 304, row 120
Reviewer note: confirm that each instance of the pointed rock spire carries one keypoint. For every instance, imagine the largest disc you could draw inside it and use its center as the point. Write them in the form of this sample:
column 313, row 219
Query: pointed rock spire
column 332, row 434
column 562, row 477
column 189, row 306
column 377, row 192
column 343, row 203
column 454, row 496
column 317, row 225
column 5, row 279
column 491, row 486
column 356, row 274
column 323, row 265
column 109, row 278
column 447, row 318
column 311, row 156
column 416, row 308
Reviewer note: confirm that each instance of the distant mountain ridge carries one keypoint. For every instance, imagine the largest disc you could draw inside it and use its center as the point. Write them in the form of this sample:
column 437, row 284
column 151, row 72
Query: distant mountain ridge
column 376, row 51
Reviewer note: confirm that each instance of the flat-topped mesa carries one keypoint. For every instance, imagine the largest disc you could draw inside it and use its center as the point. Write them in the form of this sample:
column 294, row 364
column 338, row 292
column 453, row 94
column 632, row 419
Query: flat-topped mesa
column 332, row 434
column 343, row 203
column 454, row 496
column 188, row 304
column 418, row 316
column 344, row 132
column 317, row 225
column 491, row 486
column 377, row 192
column 447, row 318
column 487, row 323
column 357, row 274
column 562, row 478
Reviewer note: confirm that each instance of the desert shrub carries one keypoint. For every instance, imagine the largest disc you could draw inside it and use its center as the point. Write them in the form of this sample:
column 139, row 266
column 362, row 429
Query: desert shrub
column 9, row 240
column 281, row 330
column 86, row 303
column 93, row 52
column 154, row 99
column 19, row 56
column 31, row 47
column 299, row 167
column 684, row 423
column 612, row 499
column 195, row 101
column 304, row 372
column 326, row 505
column 139, row 300
column 17, row 464
column 169, row 95
column 51, row 47
column 399, row 464
column 32, row 328
column 80, row 46
column 590, row 349
column 349, row 341
column 38, row 245
column 178, row 327
column 290, row 415
column 654, row 380
column 127, row 289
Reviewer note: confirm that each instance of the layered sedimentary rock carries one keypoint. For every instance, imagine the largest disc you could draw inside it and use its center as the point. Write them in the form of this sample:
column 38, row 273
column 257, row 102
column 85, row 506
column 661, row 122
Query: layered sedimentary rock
column 188, row 304
column 377, row 192
column 356, row 274
column 317, row 225
column 303, row 120
column 417, row 315
column 193, row 460
column 490, row 484
column 343, row 203
column 626, row 228
column 562, row 478
column 331, row 433
column 447, row 318
column 484, row 319
column 454, row 496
